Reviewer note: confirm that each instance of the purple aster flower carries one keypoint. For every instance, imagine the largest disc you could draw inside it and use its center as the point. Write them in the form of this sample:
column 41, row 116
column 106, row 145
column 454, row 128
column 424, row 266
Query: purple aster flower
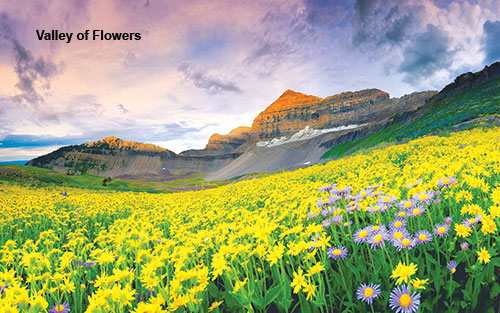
column 376, row 208
column 436, row 201
column 446, row 182
column 401, row 214
column 406, row 204
column 473, row 220
column 448, row 220
column 347, row 224
column 452, row 266
column 398, row 234
column 312, row 214
column 414, row 184
column 405, row 243
column 416, row 211
column 376, row 228
column 89, row 264
column 436, row 193
column 424, row 197
column 326, row 223
column 60, row 308
column 422, row 236
column 368, row 292
column 327, row 188
column 441, row 230
column 397, row 223
column 365, row 193
column 337, row 219
column 377, row 239
column 362, row 235
column 403, row 301
column 386, row 200
column 322, row 202
column 337, row 253
column 2, row 288
column 464, row 245
column 343, row 192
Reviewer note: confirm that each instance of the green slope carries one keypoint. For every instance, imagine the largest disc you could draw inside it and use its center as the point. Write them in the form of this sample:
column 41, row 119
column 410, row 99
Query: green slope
column 35, row 176
column 438, row 115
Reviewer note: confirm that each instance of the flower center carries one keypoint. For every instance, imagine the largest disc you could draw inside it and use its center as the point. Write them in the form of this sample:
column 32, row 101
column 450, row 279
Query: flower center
column 416, row 212
column 387, row 199
column 405, row 300
column 377, row 238
column 59, row 308
column 441, row 230
column 398, row 224
column 398, row 235
column 446, row 181
column 401, row 214
column 453, row 270
column 363, row 234
column 472, row 220
column 375, row 208
column 406, row 242
column 422, row 237
column 376, row 227
column 407, row 204
column 337, row 252
column 368, row 292
column 423, row 196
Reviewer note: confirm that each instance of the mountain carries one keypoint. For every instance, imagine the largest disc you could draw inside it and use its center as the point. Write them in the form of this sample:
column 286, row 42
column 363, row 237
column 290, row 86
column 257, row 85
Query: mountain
column 115, row 157
column 296, row 130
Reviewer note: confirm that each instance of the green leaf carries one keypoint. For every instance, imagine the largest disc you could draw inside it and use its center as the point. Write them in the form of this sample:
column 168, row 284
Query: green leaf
column 272, row 294
column 495, row 291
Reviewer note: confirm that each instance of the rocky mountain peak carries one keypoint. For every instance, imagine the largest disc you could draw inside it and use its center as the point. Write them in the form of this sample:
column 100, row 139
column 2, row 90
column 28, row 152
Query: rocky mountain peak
column 114, row 143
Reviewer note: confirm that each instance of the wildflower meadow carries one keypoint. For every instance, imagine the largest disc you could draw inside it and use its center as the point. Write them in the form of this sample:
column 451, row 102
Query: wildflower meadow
column 402, row 228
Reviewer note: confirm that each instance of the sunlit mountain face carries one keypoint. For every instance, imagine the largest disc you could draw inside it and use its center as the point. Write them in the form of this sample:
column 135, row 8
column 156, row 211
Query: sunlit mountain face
column 204, row 67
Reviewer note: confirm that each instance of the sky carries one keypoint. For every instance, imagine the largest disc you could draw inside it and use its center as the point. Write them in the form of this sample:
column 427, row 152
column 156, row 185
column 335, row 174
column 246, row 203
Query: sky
column 209, row 66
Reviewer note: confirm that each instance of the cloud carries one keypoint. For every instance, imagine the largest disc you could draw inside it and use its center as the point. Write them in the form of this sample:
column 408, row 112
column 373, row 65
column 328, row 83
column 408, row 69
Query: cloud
column 31, row 71
column 201, row 79
column 491, row 43
column 427, row 54
column 122, row 108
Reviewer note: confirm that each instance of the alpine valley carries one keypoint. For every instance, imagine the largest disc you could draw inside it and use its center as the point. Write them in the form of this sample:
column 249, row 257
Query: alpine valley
column 296, row 130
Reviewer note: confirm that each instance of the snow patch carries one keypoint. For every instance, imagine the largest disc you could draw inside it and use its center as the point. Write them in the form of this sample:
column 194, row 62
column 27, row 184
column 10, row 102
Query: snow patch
column 304, row 134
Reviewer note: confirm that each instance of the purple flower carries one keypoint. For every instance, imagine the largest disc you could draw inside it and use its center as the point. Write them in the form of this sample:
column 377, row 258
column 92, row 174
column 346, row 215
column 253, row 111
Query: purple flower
column 369, row 292
column 414, row 184
column 89, row 264
column 376, row 208
column 347, row 224
column 441, row 230
column 401, row 214
column 337, row 253
column 311, row 214
column 422, row 236
column 326, row 223
column 406, row 204
column 365, row 193
column 397, row 223
column 398, row 234
column 416, row 211
column 377, row 239
column 452, row 266
column 343, row 192
column 403, row 301
column 405, row 243
column 446, row 182
column 464, row 245
column 2, row 288
column 327, row 188
column 473, row 220
column 60, row 308
column 386, row 200
column 362, row 235
column 424, row 197
column 448, row 220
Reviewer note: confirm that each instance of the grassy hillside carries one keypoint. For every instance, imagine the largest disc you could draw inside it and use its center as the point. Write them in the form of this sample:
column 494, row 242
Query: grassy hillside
column 35, row 176
column 439, row 115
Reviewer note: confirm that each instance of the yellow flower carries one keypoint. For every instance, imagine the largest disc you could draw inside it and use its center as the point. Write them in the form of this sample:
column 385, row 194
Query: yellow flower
column 215, row 305
column 275, row 254
column 239, row 284
column 403, row 272
column 299, row 280
column 483, row 256
column 318, row 267
column 310, row 290
column 418, row 283
column 489, row 226
column 462, row 230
